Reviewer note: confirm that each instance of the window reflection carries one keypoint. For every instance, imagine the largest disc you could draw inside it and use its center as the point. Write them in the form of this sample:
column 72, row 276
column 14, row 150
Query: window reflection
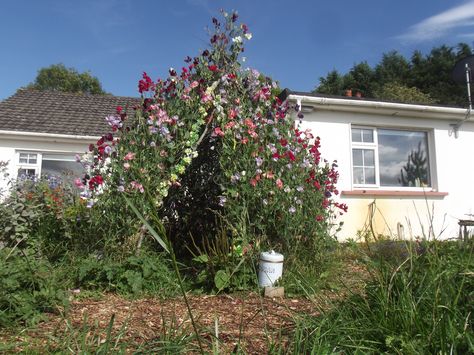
column 403, row 158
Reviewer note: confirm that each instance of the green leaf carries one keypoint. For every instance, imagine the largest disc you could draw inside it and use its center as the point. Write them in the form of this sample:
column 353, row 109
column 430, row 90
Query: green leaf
column 221, row 279
column 146, row 224
column 203, row 259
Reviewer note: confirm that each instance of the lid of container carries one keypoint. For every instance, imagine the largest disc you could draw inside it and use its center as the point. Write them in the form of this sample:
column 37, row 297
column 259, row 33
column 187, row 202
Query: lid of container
column 271, row 256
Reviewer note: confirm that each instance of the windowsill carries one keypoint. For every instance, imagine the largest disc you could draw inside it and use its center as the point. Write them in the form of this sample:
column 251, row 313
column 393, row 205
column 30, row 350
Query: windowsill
column 394, row 193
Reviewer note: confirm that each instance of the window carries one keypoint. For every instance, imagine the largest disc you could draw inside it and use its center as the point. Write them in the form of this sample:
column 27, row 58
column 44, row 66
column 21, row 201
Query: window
column 60, row 165
column 390, row 158
column 48, row 165
column 28, row 166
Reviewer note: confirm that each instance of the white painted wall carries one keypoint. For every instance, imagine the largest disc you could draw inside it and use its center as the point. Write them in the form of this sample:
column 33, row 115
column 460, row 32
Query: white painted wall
column 452, row 167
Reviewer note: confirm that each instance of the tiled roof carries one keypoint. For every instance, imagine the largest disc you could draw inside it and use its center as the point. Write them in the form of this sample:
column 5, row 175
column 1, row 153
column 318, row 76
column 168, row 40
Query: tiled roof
column 60, row 113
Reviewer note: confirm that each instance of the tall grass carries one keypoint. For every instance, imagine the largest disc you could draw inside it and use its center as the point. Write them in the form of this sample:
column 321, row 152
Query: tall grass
column 422, row 304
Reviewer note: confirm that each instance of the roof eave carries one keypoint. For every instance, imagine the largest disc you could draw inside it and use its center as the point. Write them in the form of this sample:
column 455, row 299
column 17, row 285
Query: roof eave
column 378, row 107
column 48, row 136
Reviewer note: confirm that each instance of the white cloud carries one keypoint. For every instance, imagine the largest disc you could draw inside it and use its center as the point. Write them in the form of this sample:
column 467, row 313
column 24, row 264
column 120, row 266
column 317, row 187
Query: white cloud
column 441, row 24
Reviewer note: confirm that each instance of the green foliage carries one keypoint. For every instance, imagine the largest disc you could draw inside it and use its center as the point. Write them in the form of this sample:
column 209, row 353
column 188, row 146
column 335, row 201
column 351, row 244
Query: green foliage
column 49, row 216
column 28, row 287
column 137, row 275
column 422, row 79
column 401, row 93
column 419, row 305
column 59, row 78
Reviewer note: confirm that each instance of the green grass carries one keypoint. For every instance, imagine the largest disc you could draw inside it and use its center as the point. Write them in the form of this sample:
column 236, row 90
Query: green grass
column 421, row 304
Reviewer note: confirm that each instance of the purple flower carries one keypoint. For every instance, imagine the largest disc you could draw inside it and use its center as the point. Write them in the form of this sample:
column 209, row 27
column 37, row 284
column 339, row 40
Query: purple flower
column 292, row 209
column 234, row 178
column 114, row 121
column 222, row 200
column 259, row 161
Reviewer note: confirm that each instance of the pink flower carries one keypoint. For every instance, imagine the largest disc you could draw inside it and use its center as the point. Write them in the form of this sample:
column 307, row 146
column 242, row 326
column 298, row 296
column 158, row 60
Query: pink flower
column 126, row 166
column 253, row 182
column 79, row 184
column 279, row 183
column 129, row 156
column 269, row 174
column 194, row 84
column 137, row 186
column 218, row 131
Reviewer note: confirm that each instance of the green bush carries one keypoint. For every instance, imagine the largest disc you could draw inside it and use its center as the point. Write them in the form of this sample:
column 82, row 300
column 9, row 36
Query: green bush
column 144, row 274
column 29, row 286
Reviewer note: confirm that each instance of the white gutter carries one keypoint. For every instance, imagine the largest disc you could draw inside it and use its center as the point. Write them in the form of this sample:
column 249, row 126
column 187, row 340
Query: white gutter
column 391, row 108
column 49, row 136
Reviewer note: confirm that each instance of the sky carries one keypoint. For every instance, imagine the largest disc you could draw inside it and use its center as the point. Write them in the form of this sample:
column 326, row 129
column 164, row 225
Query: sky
column 294, row 42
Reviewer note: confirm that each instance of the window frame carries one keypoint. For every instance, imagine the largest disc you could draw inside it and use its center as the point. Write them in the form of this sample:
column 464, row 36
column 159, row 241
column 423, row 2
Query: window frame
column 19, row 165
column 375, row 147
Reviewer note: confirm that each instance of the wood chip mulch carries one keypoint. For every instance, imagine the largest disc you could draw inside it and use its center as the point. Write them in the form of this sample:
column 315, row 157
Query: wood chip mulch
column 246, row 321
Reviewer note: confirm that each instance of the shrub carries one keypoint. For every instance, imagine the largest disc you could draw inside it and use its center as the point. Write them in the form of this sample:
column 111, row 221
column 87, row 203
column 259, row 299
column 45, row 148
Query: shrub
column 28, row 287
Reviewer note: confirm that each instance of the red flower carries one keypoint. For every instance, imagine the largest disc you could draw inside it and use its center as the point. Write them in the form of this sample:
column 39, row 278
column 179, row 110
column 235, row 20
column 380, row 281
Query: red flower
column 218, row 131
column 119, row 110
column 212, row 67
column 291, row 156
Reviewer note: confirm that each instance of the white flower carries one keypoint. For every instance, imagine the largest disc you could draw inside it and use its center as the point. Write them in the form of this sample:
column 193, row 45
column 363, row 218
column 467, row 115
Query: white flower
column 237, row 39
column 248, row 36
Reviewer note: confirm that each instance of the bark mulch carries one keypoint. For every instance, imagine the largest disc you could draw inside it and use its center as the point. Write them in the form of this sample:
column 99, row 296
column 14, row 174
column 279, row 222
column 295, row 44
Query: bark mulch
column 246, row 321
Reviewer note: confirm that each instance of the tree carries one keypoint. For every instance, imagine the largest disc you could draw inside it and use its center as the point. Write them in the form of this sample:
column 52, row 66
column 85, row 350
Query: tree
column 59, row 78
column 430, row 74
column 332, row 84
column 400, row 93
column 392, row 68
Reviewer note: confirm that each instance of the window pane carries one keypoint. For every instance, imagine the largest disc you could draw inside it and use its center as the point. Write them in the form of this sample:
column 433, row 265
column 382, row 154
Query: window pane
column 67, row 170
column 32, row 158
column 368, row 135
column 358, row 175
column 356, row 135
column 403, row 158
column 26, row 173
column 369, row 175
column 369, row 157
column 357, row 159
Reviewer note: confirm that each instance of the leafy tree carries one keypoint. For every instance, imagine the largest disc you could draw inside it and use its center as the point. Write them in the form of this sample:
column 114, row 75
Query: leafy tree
column 430, row 74
column 401, row 93
column 332, row 84
column 363, row 79
column 59, row 78
column 392, row 68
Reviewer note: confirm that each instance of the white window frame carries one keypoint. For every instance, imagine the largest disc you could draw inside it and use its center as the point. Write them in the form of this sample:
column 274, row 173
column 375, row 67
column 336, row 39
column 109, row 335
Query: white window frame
column 36, row 166
column 374, row 146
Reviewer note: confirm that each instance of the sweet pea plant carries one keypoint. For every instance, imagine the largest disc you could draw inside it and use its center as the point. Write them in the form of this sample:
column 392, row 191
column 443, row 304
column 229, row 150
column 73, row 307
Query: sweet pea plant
column 269, row 182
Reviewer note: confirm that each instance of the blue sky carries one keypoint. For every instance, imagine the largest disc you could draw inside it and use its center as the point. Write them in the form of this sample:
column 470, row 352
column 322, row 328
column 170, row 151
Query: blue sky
column 295, row 42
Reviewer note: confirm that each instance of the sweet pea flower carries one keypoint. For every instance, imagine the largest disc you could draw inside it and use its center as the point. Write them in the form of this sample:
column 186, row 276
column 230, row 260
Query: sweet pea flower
column 129, row 156
column 79, row 184
column 279, row 183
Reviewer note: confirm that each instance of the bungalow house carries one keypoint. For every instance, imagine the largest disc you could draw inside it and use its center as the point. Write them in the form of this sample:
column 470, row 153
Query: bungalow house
column 405, row 170
column 42, row 131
